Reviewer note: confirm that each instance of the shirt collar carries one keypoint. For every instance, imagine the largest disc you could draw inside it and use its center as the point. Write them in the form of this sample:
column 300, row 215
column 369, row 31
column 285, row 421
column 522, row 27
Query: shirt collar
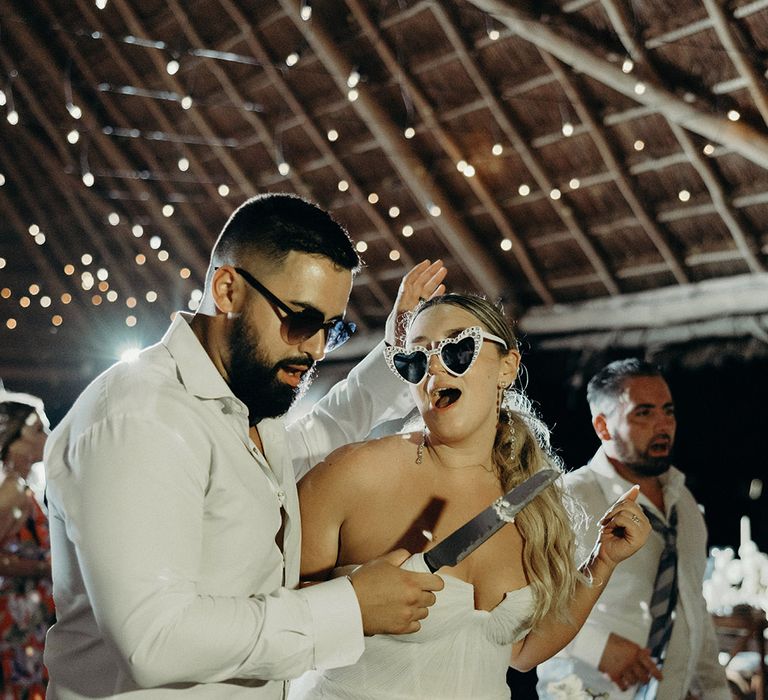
column 196, row 370
column 613, row 485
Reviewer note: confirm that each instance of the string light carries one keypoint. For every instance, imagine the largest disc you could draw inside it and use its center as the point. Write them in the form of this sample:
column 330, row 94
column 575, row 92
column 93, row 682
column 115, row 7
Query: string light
column 130, row 302
column 683, row 195
column 567, row 129
column 184, row 273
column 283, row 168
column 66, row 298
column 101, row 4
column 352, row 95
column 34, row 289
column 57, row 320
column 86, row 259
column 137, row 230
column 45, row 301
column 5, row 293
column 574, row 183
column 306, row 10
column 734, row 115
column 434, row 210
column 114, row 218
column 2, row 179
column 74, row 111
column 373, row 198
column 394, row 255
column 40, row 238
column 353, row 78
column 639, row 88
column 505, row 244
column 333, row 135
column 130, row 321
column 172, row 67
column 497, row 149
column 162, row 255
column 69, row 269
column 394, row 212
column 183, row 164
column 112, row 296
column 13, row 117
column 2, row 263
column 151, row 296
column 407, row 231
column 88, row 179
column 361, row 246
column 639, row 145
column 627, row 66
column 73, row 136
column 409, row 132
column 555, row 194
column 343, row 185
column 140, row 258
column 223, row 190
column 10, row 323
column 709, row 149
column 168, row 210
column 186, row 102
column 524, row 190
column 292, row 59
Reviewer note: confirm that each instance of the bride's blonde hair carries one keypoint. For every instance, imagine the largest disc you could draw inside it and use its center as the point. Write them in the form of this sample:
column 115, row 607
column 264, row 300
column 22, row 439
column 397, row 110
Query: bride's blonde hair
column 520, row 449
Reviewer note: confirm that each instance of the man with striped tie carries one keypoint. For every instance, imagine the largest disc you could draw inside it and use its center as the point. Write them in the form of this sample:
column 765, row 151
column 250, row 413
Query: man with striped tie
column 649, row 636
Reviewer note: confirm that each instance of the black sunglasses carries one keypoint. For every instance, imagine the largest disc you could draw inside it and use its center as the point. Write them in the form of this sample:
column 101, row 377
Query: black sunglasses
column 298, row 326
column 457, row 354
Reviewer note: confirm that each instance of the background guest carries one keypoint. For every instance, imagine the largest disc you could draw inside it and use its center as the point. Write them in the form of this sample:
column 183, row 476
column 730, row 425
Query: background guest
column 26, row 603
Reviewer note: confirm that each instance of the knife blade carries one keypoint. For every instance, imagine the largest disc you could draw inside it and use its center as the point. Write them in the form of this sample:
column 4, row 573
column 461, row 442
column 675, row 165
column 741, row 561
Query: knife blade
column 466, row 539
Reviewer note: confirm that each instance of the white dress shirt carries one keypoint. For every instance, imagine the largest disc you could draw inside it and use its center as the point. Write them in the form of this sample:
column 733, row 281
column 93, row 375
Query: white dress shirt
column 163, row 513
column 691, row 662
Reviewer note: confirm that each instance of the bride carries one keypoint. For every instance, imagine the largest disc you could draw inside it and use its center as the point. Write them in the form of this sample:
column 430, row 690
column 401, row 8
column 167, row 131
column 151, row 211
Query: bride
column 516, row 600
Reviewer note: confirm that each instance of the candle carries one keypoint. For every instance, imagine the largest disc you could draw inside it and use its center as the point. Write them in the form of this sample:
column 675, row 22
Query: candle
column 746, row 531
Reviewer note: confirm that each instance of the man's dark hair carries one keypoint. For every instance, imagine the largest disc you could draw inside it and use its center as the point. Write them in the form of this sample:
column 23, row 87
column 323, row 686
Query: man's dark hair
column 606, row 386
column 272, row 225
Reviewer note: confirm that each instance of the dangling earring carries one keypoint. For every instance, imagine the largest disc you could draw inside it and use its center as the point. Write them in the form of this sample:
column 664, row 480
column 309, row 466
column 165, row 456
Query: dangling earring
column 420, row 448
column 512, row 440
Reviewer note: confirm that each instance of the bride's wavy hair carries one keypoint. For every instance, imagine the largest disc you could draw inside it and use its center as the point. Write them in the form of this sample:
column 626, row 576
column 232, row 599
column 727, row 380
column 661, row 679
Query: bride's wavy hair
column 521, row 448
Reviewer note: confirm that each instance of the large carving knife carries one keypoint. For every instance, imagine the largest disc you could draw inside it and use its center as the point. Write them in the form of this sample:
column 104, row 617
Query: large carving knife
column 462, row 542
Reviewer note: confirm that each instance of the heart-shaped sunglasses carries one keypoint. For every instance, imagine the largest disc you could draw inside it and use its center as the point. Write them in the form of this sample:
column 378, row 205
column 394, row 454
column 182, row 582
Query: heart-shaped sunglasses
column 457, row 355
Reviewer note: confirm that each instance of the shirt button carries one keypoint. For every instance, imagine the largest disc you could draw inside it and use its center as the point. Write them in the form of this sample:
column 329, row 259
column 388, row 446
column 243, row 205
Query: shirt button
column 281, row 497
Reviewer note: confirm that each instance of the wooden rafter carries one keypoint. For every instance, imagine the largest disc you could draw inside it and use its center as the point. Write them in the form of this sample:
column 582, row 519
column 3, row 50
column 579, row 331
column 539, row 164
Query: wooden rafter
column 534, row 165
column 620, row 177
column 729, row 37
column 738, row 136
column 321, row 144
column 480, row 267
column 703, row 168
column 195, row 164
column 111, row 152
column 449, row 145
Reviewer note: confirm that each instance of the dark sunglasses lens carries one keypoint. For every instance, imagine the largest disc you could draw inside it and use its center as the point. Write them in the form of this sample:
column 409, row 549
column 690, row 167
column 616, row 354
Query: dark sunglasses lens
column 412, row 366
column 458, row 356
column 338, row 334
column 303, row 325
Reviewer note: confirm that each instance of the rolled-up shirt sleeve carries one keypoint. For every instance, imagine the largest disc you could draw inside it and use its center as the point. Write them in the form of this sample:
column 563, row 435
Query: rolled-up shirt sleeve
column 137, row 525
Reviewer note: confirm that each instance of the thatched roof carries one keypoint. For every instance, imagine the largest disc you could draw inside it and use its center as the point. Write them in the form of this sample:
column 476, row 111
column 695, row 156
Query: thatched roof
column 582, row 152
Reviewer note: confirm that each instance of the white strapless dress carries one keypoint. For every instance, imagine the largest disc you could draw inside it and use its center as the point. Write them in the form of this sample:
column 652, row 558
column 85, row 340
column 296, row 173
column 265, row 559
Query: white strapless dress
column 459, row 652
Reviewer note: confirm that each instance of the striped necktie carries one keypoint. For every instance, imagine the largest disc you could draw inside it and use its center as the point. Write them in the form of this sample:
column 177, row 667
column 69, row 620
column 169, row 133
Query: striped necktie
column 664, row 598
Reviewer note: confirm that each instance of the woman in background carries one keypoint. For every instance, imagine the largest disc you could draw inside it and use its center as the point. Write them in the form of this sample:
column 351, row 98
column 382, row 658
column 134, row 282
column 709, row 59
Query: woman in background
column 26, row 603
column 518, row 598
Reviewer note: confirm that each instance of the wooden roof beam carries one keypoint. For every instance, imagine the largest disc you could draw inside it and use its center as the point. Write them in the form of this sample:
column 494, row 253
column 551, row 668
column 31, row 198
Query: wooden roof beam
column 48, row 161
column 321, row 143
column 533, row 164
column 734, row 46
column 738, row 136
column 621, row 179
column 454, row 151
column 708, row 175
column 48, row 64
column 230, row 165
column 195, row 164
column 480, row 267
